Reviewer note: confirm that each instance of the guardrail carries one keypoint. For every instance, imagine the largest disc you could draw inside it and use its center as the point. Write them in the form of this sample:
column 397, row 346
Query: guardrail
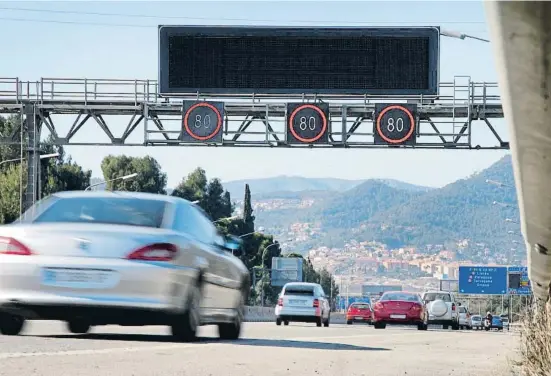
column 95, row 90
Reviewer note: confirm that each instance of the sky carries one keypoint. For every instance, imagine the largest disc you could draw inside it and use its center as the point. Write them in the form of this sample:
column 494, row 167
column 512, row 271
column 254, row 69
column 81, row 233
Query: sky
column 118, row 40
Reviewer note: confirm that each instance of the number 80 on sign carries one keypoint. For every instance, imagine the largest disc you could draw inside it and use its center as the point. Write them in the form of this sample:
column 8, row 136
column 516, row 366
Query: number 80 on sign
column 394, row 124
column 307, row 123
column 202, row 122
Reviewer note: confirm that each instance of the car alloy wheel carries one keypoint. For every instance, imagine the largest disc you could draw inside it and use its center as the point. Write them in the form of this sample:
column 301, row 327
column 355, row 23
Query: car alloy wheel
column 232, row 331
column 185, row 325
column 11, row 325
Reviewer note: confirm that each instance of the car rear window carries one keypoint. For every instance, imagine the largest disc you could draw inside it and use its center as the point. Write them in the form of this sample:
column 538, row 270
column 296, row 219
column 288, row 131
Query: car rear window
column 360, row 306
column 432, row 296
column 462, row 310
column 299, row 290
column 396, row 296
column 105, row 210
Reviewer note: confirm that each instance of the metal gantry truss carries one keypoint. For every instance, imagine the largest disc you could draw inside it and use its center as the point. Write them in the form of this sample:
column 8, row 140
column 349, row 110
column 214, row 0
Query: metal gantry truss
column 131, row 113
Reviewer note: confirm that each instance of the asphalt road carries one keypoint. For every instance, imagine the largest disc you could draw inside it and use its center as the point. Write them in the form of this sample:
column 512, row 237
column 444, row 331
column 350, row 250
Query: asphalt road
column 47, row 349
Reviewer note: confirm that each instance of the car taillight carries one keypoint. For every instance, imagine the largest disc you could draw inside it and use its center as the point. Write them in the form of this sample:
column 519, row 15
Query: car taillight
column 316, row 303
column 378, row 306
column 453, row 306
column 280, row 302
column 155, row 252
column 415, row 307
column 10, row 246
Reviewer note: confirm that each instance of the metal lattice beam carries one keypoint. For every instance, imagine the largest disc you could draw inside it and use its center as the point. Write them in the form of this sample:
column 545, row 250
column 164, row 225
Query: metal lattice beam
column 138, row 116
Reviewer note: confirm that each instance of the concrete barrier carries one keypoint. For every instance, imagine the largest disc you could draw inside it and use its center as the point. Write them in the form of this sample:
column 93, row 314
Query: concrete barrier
column 267, row 314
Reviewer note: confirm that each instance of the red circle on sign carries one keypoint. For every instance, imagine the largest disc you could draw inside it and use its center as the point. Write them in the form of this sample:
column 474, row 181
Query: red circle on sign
column 218, row 122
column 323, row 118
column 411, row 119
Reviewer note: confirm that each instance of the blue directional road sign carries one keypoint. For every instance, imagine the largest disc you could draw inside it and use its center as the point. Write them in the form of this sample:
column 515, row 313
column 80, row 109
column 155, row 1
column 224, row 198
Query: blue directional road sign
column 342, row 303
column 518, row 281
column 483, row 280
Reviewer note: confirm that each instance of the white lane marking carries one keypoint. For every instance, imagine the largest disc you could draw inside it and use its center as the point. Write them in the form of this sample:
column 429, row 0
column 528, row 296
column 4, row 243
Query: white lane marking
column 94, row 351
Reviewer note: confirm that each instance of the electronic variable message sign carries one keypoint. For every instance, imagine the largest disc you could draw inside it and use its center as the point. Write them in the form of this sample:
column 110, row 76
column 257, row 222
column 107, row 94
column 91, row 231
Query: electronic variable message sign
column 287, row 60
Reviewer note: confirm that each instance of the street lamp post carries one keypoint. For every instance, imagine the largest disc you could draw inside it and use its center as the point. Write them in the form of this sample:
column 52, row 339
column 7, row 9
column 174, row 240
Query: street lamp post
column 43, row 156
column 225, row 218
column 264, row 275
column 125, row 177
column 501, row 204
column 259, row 231
column 458, row 35
column 498, row 183
column 39, row 191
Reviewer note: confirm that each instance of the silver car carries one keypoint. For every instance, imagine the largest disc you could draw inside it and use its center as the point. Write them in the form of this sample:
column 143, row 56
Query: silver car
column 302, row 302
column 476, row 322
column 100, row 258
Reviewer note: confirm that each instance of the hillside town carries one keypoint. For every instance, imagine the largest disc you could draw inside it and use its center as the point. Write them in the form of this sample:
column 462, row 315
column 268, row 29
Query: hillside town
column 361, row 262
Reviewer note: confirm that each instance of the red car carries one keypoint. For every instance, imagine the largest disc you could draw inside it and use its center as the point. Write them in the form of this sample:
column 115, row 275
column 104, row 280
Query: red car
column 358, row 312
column 400, row 308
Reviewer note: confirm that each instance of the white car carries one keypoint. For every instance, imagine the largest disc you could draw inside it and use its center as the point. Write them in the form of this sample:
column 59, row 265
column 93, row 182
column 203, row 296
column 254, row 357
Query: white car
column 477, row 322
column 443, row 310
column 464, row 318
column 302, row 302
column 101, row 258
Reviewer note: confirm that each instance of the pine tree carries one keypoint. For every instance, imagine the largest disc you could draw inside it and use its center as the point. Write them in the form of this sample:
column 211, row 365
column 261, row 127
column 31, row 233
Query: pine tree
column 228, row 204
column 248, row 217
column 214, row 203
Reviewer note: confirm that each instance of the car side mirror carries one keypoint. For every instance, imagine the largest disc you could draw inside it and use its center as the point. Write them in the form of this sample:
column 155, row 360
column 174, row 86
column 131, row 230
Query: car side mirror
column 234, row 244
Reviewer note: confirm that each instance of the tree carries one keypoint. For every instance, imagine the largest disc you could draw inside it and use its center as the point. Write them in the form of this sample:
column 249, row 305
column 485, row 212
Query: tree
column 10, row 127
column 227, row 203
column 61, row 173
column 56, row 174
column 150, row 177
column 193, row 187
column 10, row 193
column 214, row 202
column 248, row 217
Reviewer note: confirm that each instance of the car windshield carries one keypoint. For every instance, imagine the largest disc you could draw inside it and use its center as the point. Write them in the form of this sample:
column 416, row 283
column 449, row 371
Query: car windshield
column 105, row 210
column 299, row 290
column 396, row 296
column 360, row 306
column 432, row 296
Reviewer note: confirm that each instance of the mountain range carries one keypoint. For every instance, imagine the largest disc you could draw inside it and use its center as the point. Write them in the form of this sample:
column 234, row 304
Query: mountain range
column 392, row 212
column 395, row 214
column 268, row 186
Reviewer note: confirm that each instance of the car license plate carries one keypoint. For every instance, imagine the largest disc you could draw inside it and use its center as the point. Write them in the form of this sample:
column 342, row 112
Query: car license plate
column 397, row 316
column 78, row 278
column 358, row 318
column 297, row 302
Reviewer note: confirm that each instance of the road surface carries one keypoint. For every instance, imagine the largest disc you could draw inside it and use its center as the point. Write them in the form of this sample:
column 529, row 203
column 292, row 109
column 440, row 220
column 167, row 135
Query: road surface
column 46, row 349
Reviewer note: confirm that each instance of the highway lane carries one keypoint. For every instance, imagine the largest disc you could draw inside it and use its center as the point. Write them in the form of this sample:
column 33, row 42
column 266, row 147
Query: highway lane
column 47, row 349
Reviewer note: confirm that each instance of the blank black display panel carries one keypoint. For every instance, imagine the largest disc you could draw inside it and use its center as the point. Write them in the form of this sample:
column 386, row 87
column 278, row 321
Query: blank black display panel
column 288, row 60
